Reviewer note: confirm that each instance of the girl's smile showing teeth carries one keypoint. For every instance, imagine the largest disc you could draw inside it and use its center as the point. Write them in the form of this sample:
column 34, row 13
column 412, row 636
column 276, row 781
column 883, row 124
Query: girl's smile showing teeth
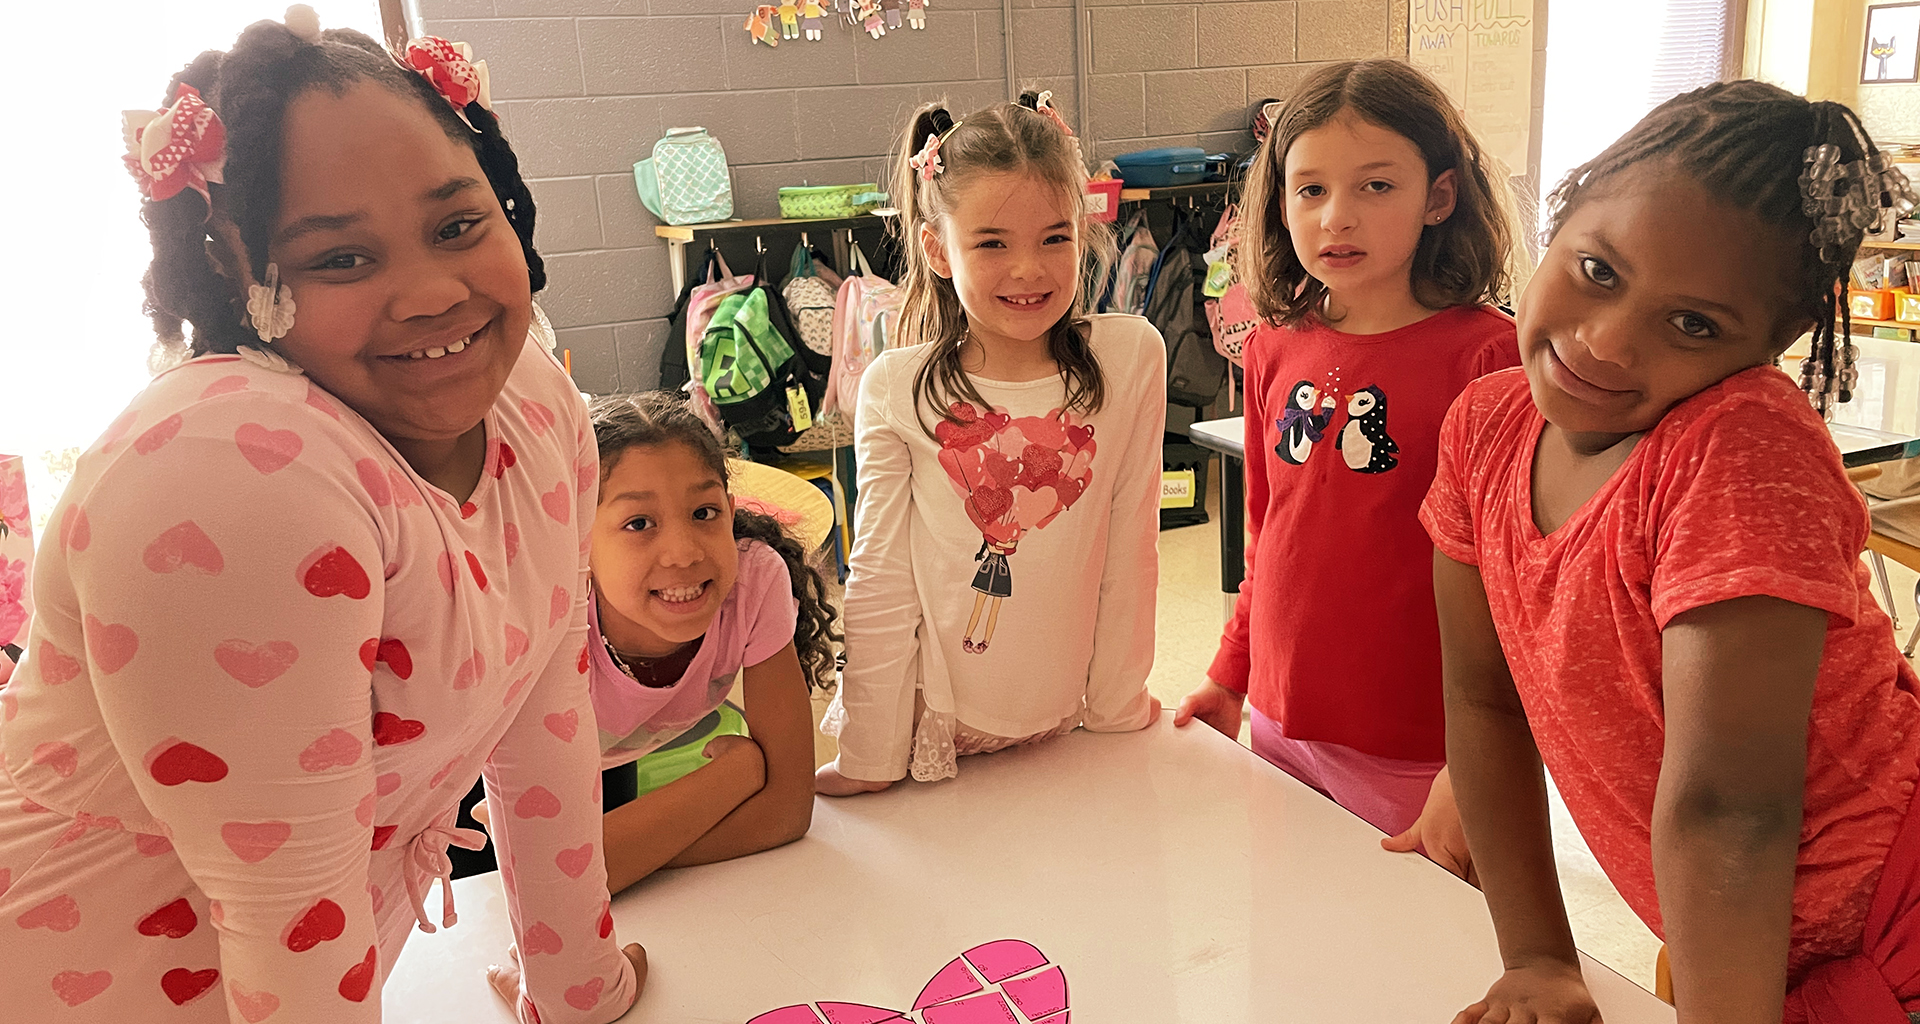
column 681, row 599
column 1026, row 301
column 435, row 353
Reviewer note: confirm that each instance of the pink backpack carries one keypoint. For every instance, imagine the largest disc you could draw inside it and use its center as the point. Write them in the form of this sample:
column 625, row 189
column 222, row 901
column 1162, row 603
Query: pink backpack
column 1231, row 317
column 865, row 317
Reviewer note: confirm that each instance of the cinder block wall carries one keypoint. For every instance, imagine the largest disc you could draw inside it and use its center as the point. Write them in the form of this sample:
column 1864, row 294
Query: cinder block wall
column 585, row 87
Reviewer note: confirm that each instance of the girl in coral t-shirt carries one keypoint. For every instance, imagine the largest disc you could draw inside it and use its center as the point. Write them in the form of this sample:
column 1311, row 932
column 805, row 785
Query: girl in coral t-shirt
column 1649, row 580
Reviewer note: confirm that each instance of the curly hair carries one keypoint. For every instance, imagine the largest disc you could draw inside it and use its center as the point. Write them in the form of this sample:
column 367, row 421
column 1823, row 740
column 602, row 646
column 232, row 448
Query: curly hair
column 249, row 87
column 1747, row 143
column 1467, row 258
column 656, row 418
column 1004, row 138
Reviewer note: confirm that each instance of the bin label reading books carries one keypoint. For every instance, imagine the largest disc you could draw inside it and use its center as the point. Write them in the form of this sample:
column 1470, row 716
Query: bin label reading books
column 1176, row 488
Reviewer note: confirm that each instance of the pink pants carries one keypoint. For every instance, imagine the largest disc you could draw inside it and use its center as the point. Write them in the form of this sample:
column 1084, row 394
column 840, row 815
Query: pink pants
column 1387, row 793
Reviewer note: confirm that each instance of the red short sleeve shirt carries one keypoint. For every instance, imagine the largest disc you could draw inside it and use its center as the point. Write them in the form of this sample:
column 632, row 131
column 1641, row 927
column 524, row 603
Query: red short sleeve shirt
column 1737, row 492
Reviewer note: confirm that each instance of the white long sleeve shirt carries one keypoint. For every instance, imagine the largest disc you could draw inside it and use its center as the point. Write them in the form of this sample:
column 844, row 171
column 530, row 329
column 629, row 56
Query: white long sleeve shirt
column 1005, row 569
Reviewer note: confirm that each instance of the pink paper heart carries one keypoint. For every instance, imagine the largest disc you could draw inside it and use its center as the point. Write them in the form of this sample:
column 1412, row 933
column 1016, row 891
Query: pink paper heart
column 267, row 450
column 540, row 938
column 255, row 841
column 338, row 748
column 564, row 724
column 573, row 863
column 981, row 986
column 75, row 987
column 255, row 665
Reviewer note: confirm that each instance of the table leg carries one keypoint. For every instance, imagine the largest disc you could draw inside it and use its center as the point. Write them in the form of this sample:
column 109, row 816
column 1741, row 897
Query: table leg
column 1233, row 512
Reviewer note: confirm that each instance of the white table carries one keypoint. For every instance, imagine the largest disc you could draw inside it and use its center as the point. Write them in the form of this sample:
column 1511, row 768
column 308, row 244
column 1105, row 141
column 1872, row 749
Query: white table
column 1173, row 875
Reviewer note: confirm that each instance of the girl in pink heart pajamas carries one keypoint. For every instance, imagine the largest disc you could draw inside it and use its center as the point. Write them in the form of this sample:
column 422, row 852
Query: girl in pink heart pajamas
column 314, row 580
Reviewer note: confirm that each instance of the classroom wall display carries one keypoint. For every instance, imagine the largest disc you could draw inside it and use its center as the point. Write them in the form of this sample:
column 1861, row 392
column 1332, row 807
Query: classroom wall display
column 794, row 19
column 1006, row 981
column 16, row 561
column 1892, row 44
column 1481, row 52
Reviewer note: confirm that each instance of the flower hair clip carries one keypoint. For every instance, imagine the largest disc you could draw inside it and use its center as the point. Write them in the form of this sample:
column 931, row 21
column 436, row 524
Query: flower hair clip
column 270, row 307
column 181, row 147
column 452, row 71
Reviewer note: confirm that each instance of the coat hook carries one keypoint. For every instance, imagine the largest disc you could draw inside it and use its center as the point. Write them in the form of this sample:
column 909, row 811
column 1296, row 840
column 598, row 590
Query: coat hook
column 804, row 243
column 759, row 245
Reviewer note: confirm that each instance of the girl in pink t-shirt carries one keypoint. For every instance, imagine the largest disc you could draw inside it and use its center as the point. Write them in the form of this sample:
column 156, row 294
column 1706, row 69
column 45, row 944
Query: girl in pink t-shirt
column 1649, row 580
column 688, row 590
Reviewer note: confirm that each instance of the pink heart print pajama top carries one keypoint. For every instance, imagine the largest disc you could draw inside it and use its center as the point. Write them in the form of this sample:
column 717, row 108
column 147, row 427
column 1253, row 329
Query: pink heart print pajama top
column 267, row 662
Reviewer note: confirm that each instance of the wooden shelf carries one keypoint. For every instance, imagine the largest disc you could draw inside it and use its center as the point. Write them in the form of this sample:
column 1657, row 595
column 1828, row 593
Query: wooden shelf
column 1905, row 325
column 1871, row 244
column 1209, row 188
column 688, row 232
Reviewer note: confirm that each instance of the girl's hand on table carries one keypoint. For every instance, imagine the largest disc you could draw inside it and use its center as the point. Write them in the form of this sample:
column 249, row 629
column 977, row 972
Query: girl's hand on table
column 1437, row 832
column 506, row 980
column 1547, row 993
column 827, row 781
column 1215, row 705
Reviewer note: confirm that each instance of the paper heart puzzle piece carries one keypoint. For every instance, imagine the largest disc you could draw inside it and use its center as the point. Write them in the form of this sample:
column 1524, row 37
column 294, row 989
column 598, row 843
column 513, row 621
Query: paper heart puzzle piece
column 1006, row 981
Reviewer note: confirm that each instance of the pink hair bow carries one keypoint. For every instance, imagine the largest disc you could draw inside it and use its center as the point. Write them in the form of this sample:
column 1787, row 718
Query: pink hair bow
column 927, row 162
column 452, row 71
column 183, row 146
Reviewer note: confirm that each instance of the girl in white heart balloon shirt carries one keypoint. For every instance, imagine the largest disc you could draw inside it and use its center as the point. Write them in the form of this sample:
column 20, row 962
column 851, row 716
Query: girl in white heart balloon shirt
column 1003, row 575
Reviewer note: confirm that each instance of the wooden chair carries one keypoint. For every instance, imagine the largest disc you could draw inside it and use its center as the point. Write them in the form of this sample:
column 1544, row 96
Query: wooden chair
column 1663, row 977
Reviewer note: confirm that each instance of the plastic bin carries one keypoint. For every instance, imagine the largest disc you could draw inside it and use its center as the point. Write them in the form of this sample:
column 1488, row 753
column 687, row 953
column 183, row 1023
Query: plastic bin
column 1162, row 168
column 1103, row 199
column 1183, row 483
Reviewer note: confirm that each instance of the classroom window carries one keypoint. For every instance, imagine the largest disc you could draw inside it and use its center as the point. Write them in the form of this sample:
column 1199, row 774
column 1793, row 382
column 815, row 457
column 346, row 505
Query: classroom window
column 75, row 345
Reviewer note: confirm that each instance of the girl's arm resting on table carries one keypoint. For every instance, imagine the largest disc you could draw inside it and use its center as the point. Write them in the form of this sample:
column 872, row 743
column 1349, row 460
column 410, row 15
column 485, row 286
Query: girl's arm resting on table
column 655, row 829
column 1501, row 790
column 1117, row 697
column 780, row 719
column 1739, row 679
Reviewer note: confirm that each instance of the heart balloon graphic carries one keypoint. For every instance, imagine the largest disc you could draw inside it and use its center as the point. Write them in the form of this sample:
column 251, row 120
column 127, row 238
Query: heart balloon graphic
column 1006, row 981
column 1015, row 473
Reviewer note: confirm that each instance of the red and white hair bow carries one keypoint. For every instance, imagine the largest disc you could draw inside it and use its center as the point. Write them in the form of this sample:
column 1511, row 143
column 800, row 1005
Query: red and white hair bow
column 452, row 71
column 1045, row 109
column 183, row 146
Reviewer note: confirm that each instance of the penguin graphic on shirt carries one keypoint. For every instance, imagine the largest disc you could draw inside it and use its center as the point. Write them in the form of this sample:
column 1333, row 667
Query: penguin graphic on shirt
column 1302, row 423
column 1363, row 440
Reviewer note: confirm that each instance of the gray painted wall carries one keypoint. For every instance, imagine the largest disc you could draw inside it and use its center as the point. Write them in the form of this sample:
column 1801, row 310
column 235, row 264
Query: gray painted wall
column 585, row 87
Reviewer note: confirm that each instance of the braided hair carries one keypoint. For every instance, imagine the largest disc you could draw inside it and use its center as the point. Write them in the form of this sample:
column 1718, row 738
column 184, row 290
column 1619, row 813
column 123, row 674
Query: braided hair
column 654, row 418
column 1806, row 167
column 249, row 87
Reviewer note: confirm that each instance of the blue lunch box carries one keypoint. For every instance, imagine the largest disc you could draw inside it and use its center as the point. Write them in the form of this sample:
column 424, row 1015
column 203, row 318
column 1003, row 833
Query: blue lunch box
column 1174, row 165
